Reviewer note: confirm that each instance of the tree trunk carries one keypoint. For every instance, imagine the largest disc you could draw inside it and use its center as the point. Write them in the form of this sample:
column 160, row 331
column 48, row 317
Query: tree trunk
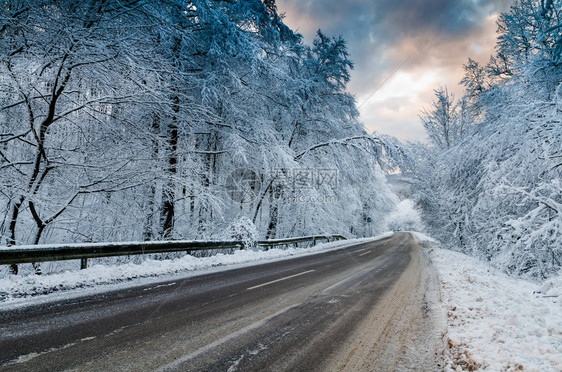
column 149, row 215
column 38, row 234
column 12, row 230
column 275, row 194
column 169, row 196
column 150, row 202
column 273, row 221
column 168, row 204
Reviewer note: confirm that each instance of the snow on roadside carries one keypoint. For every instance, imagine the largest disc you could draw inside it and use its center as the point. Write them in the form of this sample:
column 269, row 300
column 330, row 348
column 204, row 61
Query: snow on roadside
column 14, row 286
column 497, row 322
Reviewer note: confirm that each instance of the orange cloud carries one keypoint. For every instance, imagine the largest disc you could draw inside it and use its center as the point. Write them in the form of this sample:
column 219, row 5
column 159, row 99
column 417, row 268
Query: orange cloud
column 435, row 38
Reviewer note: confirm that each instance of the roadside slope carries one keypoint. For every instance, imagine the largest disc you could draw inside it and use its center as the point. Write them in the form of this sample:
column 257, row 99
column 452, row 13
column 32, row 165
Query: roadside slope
column 497, row 322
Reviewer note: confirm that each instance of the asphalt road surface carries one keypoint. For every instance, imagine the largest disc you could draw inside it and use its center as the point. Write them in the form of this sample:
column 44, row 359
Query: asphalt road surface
column 366, row 307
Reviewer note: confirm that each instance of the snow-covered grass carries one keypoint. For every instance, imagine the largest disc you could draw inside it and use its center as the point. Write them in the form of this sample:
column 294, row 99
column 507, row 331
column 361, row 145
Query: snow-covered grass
column 103, row 277
column 496, row 322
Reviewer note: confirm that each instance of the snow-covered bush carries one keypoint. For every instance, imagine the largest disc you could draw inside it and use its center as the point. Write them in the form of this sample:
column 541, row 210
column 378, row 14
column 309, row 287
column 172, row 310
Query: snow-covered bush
column 552, row 287
column 243, row 230
column 405, row 217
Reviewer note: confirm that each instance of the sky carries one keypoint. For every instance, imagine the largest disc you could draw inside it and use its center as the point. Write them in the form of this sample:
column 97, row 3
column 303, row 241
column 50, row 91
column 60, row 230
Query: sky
column 402, row 50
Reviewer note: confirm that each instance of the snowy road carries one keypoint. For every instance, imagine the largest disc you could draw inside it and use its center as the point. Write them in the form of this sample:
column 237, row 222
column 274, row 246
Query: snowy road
column 364, row 307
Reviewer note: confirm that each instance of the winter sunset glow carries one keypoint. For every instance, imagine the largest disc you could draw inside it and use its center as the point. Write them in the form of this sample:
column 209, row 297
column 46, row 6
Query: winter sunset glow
column 434, row 37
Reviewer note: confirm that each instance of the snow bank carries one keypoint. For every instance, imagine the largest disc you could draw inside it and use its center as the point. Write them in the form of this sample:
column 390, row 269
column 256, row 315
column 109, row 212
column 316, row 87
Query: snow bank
column 13, row 287
column 552, row 287
column 496, row 322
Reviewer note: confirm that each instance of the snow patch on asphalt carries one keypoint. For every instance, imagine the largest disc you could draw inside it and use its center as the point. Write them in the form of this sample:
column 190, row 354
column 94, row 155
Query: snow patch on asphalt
column 497, row 322
column 16, row 287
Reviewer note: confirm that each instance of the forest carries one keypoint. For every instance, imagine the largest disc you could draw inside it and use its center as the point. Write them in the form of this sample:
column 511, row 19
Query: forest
column 132, row 120
column 489, row 183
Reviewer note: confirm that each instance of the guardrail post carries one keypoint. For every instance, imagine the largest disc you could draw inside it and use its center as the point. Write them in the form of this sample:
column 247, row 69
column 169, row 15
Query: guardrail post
column 83, row 263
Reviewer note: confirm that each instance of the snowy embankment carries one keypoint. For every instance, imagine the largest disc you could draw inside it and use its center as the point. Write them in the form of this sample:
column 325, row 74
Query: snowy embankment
column 496, row 322
column 13, row 288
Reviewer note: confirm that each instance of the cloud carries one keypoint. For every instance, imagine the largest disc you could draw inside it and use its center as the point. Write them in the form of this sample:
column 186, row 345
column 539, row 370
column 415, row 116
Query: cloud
column 445, row 17
column 434, row 36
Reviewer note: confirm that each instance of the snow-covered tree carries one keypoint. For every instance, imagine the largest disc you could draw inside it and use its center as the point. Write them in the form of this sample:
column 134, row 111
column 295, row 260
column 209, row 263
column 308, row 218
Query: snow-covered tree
column 69, row 81
column 122, row 120
column 496, row 194
column 442, row 122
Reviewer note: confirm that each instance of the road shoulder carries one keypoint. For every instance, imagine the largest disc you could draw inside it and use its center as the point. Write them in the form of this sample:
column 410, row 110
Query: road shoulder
column 497, row 322
column 405, row 329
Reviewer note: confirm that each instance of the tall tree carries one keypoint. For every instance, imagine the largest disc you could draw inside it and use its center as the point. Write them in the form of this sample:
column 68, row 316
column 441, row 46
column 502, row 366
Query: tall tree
column 442, row 122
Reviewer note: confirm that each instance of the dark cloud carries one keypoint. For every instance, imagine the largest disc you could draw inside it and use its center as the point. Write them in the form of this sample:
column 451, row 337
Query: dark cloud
column 394, row 18
column 433, row 35
column 447, row 17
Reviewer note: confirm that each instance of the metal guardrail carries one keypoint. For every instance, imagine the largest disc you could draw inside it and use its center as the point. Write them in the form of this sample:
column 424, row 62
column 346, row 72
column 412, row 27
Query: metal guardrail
column 313, row 239
column 45, row 253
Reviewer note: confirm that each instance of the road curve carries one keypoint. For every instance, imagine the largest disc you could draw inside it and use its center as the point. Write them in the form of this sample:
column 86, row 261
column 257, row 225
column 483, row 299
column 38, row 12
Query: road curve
column 361, row 308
